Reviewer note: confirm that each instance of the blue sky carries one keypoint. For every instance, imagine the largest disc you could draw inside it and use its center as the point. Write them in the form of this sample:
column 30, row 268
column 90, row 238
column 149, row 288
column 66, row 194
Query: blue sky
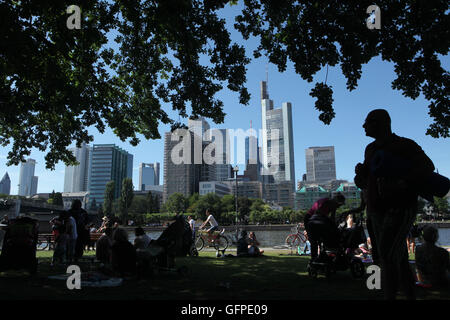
column 409, row 118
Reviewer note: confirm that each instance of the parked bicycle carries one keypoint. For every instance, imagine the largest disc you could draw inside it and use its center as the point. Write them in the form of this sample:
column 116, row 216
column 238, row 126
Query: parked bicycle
column 216, row 239
column 45, row 242
column 296, row 239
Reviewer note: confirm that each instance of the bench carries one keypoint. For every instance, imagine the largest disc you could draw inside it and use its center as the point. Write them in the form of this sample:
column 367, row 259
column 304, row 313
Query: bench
column 49, row 240
column 94, row 236
column 45, row 238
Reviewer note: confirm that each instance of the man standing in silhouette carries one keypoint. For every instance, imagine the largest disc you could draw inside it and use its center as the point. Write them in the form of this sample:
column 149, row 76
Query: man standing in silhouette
column 392, row 172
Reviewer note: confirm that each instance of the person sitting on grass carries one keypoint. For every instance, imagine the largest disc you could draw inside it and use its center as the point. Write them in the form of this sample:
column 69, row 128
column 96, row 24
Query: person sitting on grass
column 142, row 240
column 306, row 250
column 123, row 254
column 103, row 247
column 432, row 262
column 253, row 244
column 242, row 245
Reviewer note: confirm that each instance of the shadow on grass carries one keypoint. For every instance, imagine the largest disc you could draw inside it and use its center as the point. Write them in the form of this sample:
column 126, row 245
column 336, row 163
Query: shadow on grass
column 272, row 277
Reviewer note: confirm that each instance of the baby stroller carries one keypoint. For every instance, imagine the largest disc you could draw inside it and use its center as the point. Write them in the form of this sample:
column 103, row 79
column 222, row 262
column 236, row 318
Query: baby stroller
column 175, row 241
column 19, row 245
column 342, row 258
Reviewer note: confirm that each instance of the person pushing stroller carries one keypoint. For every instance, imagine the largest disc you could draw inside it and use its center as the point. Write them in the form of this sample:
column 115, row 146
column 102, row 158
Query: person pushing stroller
column 320, row 223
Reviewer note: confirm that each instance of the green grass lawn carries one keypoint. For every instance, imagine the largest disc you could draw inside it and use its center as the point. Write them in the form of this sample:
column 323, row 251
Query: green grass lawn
column 277, row 276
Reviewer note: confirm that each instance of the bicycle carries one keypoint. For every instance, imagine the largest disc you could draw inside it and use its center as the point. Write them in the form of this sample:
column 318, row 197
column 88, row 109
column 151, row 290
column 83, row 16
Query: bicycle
column 45, row 242
column 216, row 240
column 296, row 239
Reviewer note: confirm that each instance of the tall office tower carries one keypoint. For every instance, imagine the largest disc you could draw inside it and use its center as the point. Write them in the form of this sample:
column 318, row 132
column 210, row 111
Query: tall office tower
column 320, row 164
column 109, row 163
column 130, row 166
column 157, row 167
column 198, row 126
column 34, row 185
column 5, row 185
column 252, row 159
column 277, row 139
column 184, row 162
column 27, row 180
column 223, row 168
column 251, row 150
column 203, row 137
column 76, row 178
column 148, row 175
column 181, row 174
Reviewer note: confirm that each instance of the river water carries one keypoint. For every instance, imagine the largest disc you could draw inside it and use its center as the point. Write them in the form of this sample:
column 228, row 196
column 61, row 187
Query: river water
column 274, row 238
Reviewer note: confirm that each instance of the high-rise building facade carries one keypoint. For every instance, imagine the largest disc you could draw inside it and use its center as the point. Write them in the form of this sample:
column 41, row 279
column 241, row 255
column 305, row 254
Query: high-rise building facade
column 109, row 163
column 277, row 140
column 320, row 164
column 198, row 126
column 184, row 162
column 148, row 175
column 76, row 178
column 5, row 185
column 27, row 181
column 180, row 175
column 223, row 167
column 252, row 158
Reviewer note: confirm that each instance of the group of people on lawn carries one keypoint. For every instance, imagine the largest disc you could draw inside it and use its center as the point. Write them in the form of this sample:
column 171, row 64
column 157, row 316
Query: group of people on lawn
column 393, row 172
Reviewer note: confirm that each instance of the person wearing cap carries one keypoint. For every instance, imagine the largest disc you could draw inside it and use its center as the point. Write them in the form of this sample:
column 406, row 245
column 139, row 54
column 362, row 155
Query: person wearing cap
column 104, row 224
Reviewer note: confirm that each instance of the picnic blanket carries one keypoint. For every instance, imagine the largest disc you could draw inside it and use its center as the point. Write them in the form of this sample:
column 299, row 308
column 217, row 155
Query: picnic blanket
column 92, row 279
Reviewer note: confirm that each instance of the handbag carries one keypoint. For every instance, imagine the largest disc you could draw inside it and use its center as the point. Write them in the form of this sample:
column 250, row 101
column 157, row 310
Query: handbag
column 435, row 185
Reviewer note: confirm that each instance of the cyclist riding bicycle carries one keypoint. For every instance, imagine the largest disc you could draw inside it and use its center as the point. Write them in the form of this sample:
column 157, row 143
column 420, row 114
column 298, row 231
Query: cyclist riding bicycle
column 212, row 221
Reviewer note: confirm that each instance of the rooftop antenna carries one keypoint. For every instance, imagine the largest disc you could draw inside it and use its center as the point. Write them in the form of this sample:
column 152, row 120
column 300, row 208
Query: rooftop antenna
column 264, row 86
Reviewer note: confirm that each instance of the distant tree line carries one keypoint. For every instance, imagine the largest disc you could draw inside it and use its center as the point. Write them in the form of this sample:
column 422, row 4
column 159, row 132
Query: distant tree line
column 145, row 209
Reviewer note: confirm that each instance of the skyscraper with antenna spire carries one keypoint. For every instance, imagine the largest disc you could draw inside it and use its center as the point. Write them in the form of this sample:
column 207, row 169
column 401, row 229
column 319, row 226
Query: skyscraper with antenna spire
column 277, row 139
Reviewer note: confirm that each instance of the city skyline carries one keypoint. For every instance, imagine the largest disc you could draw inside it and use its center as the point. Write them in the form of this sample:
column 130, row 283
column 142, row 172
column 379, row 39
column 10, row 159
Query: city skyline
column 410, row 118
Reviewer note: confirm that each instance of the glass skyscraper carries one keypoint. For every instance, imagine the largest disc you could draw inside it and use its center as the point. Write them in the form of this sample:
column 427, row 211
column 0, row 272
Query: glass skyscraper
column 27, row 181
column 148, row 175
column 76, row 178
column 109, row 163
column 5, row 185
column 320, row 164
column 277, row 140
column 223, row 168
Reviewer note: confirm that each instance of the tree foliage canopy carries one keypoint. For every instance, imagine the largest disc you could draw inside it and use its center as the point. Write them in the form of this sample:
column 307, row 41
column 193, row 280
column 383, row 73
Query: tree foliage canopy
column 56, row 83
column 315, row 34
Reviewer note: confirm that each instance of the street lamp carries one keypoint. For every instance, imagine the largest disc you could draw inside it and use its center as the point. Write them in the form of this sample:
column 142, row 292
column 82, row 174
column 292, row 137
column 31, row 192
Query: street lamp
column 236, row 169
